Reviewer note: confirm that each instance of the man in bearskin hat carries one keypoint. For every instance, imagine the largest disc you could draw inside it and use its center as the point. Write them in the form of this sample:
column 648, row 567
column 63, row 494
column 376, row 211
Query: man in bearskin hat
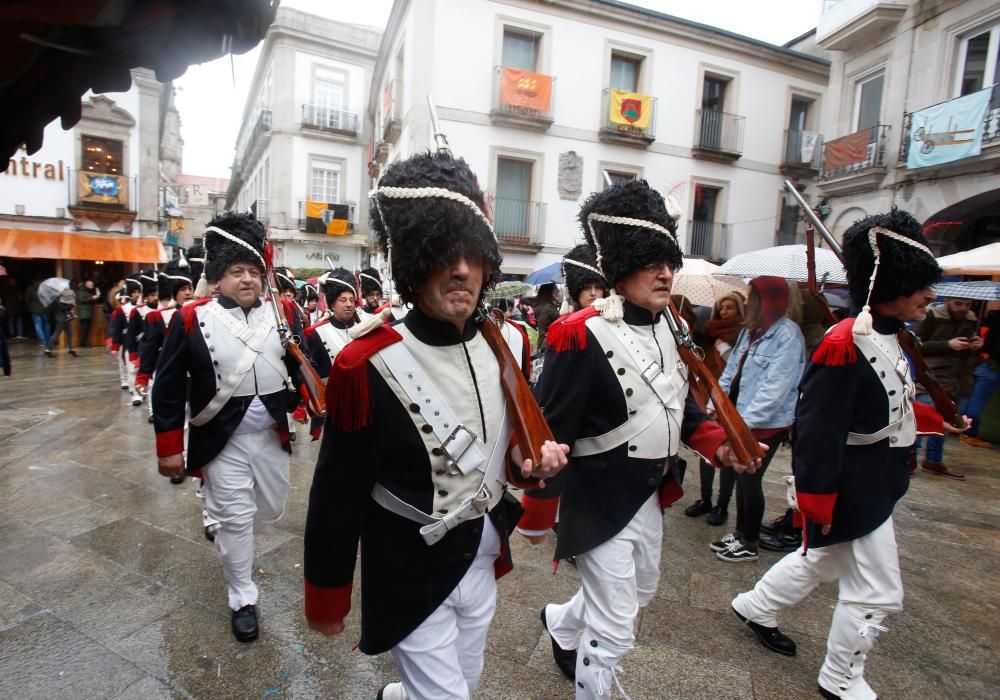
column 173, row 290
column 371, row 290
column 855, row 425
column 615, row 390
column 118, row 332
column 309, row 301
column 240, row 391
column 413, row 461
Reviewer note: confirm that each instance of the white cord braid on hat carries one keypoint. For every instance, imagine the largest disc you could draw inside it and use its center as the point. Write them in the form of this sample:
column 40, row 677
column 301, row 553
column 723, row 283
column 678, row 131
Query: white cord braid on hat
column 585, row 266
column 287, row 279
column 419, row 192
column 201, row 291
column 326, row 278
column 178, row 277
column 863, row 323
column 611, row 306
column 369, row 277
column 133, row 281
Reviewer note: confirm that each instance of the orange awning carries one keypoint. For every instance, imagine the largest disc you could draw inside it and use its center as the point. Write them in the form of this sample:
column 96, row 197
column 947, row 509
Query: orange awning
column 71, row 245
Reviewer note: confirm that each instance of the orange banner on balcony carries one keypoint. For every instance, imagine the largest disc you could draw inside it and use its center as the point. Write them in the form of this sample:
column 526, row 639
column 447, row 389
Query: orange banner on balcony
column 521, row 88
column 630, row 108
column 72, row 245
column 101, row 188
column 847, row 150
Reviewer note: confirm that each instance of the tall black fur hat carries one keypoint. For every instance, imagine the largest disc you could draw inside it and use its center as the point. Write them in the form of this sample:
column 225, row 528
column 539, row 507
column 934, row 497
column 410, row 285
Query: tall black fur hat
column 173, row 278
column 336, row 282
column 149, row 280
column 623, row 248
column 308, row 293
column 285, row 278
column 580, row 270
column 371, row 281
column 445, row 220
column 133, row 283
column 192, row 264
column 221, row 250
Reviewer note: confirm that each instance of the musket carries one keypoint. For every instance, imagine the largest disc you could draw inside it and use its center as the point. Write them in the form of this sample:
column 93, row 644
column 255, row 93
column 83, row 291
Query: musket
column 310, row 377
column 907, row 340
column 529, row 426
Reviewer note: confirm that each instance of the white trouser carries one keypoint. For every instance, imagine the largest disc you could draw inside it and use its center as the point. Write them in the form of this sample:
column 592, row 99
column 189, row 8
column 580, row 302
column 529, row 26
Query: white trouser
column 291, row 424
column 443, row 658
column 122, row 369
column 127, row 372
column 870, row 587
column 245, row 487
column 617, row 578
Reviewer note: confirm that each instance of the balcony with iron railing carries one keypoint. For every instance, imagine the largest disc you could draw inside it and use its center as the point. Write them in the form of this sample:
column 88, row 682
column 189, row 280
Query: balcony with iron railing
column 333, row 121
column 854, row 163
column 303, row 221
column 628, row 124
column 392, row 111
column 803, row 154
column 254, row 146
column 926, row 139
column 519, row 223
column 522, row 99
column 718, row 135
column 105, row 199
column 707, row 239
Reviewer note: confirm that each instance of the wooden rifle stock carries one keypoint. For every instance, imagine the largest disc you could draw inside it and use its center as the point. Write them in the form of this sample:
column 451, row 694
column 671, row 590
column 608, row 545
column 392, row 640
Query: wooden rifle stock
column 741, row 440
column 527, row 421
column 942, row 402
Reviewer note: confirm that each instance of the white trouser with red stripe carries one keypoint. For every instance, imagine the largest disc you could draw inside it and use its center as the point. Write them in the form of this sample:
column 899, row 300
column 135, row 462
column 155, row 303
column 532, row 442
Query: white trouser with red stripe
column 617, row 579
column 867, row 571
column 443, row 657
column 245, row 487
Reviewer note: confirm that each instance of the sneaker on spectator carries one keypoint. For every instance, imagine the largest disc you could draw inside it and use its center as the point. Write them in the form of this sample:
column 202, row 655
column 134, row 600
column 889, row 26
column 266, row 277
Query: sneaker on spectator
column 723, row 544
column 737, row 551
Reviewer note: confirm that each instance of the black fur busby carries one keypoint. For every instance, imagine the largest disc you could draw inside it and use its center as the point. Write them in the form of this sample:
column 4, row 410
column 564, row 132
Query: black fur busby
column 371, row 281
column 149, row 280
column 578, row 277
column 426, row 233
column 193, row 263
column 163, row 285
column 220, row 252
column 308, row 293
column 336, row 282
column 903, row 269
column 623, row 248
column 133, row 283
column 173, row 278
column 285, row 278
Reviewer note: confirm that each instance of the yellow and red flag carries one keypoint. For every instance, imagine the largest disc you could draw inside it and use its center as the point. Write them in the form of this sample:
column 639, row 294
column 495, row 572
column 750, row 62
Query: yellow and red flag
column 630, row 108
column 326, row 217
column 521, row 88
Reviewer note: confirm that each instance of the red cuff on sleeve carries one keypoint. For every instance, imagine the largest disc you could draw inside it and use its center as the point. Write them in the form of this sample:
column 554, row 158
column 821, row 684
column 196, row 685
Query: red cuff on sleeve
column 141, row 380
column 817, row 507
column 327, row 604
column 707, row 439
column 133, row 356
column 929, row 421
column 170, row 442
column 115, row 347
column 539, row 513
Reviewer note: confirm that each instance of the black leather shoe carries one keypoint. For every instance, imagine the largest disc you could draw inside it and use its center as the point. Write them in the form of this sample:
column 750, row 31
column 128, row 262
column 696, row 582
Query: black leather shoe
column 565, row 658
column 245, row 623
column 718, row 516
column 771, row 637
column 780, row 542
column 178, row 479
column 775, row 527
column 697, row 508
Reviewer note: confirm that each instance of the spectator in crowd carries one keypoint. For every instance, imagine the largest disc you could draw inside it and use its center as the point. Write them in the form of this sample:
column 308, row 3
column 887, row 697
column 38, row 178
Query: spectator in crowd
column 11, row 299
column 762, row 377
column 722, row 330
column 86, row 297
column 64, row 307
column 584, row 282
column 39, row 314
column 951, row 348
column 986, row 377
column 546, row 307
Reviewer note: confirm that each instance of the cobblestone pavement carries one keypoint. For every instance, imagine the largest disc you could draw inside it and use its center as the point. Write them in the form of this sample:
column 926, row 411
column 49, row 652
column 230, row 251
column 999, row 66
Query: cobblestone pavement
column 108, row 588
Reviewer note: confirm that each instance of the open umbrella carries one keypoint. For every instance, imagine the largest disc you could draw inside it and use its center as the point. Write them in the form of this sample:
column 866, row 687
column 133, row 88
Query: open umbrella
column 699, row 281
column 788, row 261
column 547, row 274
column 50, row 288
column 510, row 289
column 982, row 290
column 984, row 260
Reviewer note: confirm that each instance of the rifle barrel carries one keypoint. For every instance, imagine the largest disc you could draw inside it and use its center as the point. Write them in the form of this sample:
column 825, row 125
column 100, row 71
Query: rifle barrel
column 817, row 224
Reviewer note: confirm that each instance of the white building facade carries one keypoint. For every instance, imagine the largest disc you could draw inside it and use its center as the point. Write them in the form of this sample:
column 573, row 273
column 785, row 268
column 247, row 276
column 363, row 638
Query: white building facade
column 302, row 139
column 541, row 98
column 890, row 60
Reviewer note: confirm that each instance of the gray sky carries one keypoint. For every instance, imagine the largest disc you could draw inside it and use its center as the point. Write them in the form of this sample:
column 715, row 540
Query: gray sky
column 211, row 96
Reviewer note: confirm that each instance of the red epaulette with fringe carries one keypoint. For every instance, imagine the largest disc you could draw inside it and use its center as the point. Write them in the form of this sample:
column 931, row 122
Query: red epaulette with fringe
column 569, row 332
column 188, row 312
column 836, row 348
column 290, row 310
column 312, row 329
column 154, row 316
column 348, row 400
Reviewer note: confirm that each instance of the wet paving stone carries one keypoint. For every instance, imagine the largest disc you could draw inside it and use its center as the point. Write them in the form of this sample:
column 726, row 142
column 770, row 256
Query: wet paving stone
column 106, row 578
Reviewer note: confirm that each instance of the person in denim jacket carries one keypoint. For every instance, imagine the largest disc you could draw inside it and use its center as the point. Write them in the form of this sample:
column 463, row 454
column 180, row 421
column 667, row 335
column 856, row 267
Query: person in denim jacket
column 762, row 378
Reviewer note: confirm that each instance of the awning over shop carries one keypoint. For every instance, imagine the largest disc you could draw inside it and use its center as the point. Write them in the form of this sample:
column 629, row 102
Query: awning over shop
column 66, row 245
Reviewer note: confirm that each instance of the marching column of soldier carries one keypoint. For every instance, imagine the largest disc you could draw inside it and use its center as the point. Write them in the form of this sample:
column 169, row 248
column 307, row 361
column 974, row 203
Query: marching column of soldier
column 424, row 430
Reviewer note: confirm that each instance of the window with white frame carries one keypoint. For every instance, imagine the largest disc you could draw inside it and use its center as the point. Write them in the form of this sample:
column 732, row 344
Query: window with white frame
column 324, row 183
column 868, row 101
column 979, row 61
column 520, row 49
column 624, row 73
